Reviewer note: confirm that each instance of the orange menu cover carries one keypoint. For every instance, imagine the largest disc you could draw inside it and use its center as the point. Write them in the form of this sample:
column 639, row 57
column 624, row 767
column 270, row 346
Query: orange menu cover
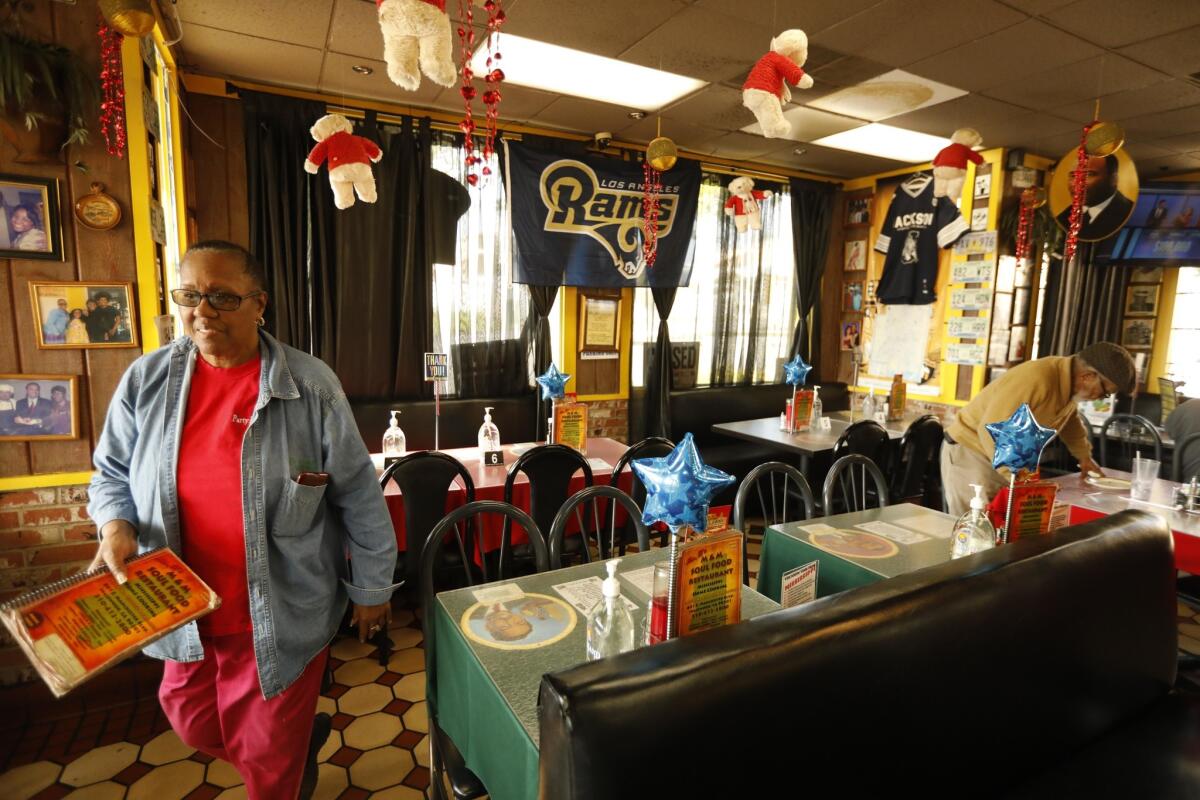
column 80, row 626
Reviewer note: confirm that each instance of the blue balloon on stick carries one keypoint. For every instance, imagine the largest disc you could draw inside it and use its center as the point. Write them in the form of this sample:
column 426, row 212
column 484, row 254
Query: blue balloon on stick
column 1019, row 440
column 679, row 486
column 795, row 372
column 552, row 382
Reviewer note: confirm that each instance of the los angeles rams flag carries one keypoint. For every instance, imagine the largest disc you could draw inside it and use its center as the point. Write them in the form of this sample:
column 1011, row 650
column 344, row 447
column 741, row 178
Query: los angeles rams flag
column 577, row 220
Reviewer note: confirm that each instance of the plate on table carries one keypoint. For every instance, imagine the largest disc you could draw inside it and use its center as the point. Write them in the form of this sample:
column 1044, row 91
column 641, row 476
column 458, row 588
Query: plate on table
column 1112, row 484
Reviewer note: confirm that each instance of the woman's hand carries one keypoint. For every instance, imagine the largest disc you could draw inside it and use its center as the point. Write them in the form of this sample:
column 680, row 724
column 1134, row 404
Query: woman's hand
column 371, row 619
column 118, row 541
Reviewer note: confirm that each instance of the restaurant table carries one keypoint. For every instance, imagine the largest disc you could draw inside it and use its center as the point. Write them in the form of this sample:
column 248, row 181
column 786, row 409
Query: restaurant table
column 1088, row 502
column 854, row 555
column 487, row 698
column 489, row 485
column 806, row 443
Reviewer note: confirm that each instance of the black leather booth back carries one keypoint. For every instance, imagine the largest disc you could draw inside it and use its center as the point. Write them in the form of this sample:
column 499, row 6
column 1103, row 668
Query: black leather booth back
column 515, row 416
column 954, row 681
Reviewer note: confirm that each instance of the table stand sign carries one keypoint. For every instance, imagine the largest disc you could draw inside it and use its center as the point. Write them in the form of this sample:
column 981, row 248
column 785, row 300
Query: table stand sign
column 706, row 584
column 897, row 399
column 1029, row 509
column 800, row 412
column 437, row 369
column 570, row 425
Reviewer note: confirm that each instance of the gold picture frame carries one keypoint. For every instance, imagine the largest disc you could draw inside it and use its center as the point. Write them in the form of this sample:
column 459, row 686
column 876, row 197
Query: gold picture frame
column 107, row 305
column 45, row 421
column 1141, row 300
column 599, row 323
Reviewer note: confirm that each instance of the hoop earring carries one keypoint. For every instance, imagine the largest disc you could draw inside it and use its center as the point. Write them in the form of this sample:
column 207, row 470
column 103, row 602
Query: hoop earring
column 261, row 322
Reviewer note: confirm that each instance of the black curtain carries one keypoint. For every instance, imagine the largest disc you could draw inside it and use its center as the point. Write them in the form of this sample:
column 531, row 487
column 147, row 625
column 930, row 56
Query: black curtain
column 658, row 381
column 537, row 336
column 812, row 210
column 291, row 220
column 1088, row 303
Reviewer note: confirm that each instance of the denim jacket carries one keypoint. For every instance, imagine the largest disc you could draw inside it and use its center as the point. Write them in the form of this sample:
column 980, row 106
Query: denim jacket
column 297, row 537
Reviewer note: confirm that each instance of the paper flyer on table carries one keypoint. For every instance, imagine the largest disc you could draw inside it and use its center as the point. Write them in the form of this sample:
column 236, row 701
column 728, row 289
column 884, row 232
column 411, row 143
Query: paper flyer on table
column 585, row 593
column 819, row 527
column 937, row 527
column 498, row 594
column 896, row 534
column 641, row 579
column 799, row 585
column 599, row 465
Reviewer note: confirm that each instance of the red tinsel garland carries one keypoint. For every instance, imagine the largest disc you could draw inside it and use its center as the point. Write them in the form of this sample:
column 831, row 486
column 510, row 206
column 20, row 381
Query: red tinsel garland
column 1024, row 224
column 1078, row 190
column 494, row 77
column 112, row 82
column 466, row 41
column 651, row 188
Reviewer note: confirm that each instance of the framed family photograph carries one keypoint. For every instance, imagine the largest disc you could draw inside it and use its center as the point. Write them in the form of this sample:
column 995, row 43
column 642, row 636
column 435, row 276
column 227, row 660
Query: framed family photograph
column 83, row 315
column 858, row 211
column 39, row 407
column 30, row 226
column 852, row 296
column 1141, row 300
column 1137, row 334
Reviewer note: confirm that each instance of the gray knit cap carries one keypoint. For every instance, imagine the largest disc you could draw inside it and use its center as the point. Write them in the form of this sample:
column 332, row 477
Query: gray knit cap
column 1113, row 362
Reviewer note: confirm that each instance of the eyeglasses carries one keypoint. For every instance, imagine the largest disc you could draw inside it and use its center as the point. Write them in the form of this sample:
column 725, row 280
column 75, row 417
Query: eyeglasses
column 221, row 301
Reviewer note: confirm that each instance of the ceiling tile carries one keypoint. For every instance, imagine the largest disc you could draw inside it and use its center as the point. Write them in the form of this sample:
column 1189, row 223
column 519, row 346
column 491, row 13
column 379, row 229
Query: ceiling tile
column 1162, row 96
column 810, row 124
column 576, row 114
column 622, row 23
column 236, row 55
column 1114, row 23
column 713, row 106
column 973, row 111
column 354, row 29
column 337, row 78
column 696, row 138
column 830, row 161
column 779, row 16
column 305, row 23
column 1175, row 53
column 517, row 103
column 1156, row 168
column 1056, row 88
column 844, row 71
column 1162, row 124
column 1142, row 151
column 742, row 146
column 1022, row 49
column 1037, row 6
column 703, row 44
column 1055, row 146
column 1187, row 143
column 900, row 32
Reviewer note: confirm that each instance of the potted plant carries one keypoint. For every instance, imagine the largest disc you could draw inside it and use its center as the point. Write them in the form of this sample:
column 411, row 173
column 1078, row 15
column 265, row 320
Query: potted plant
column 46, row 96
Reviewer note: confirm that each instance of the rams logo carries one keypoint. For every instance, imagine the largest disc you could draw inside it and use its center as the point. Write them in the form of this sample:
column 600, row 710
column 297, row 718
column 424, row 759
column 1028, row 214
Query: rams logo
column 609, row 211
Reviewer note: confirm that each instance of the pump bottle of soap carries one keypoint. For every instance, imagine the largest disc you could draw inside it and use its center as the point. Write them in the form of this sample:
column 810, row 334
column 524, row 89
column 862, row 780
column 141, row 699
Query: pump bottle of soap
column 489, row 434
column 973, row 533
column 394, row 443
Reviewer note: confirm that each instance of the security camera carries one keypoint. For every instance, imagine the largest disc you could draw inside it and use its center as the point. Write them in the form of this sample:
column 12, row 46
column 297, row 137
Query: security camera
column 603, row 139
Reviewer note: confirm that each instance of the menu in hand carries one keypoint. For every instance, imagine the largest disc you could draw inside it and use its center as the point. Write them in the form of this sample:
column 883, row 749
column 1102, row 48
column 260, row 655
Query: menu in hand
column 82, row 625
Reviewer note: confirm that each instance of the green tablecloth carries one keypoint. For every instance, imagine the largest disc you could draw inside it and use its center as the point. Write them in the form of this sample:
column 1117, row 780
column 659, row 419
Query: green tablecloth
column 789, row 545
column 487, row 698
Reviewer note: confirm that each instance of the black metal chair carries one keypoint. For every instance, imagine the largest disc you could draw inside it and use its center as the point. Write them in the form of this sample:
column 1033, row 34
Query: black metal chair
column 444, row 756
column 1179, row 459
column 865, row 438
column 650, row 447
column 549, row 469
column 773, row 473
column 854, row 492
column 918, row 477
column 1133, row 433
column 593, row 494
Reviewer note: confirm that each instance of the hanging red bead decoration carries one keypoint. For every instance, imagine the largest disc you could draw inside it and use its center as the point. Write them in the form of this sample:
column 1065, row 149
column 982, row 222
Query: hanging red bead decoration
column 466, row 42
column 651, row 189
column 1078, row 190
column 112, row 84
column 494, row 77
column 1024, row 223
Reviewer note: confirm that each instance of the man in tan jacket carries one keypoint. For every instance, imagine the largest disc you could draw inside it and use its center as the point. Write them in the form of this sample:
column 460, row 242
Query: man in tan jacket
column 1052, row 387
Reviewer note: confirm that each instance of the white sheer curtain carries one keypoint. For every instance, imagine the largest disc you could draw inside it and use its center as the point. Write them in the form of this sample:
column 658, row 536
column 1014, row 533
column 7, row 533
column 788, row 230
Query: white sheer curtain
column 740, row 303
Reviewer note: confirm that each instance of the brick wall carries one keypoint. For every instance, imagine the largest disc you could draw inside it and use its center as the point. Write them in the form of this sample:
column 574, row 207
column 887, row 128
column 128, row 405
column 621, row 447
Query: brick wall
column 609, row 418
column 45, row 535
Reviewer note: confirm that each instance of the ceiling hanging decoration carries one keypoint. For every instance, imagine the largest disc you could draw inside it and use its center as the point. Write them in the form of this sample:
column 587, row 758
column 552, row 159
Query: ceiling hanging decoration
column 129, row 17
column 112, row 86
column 493, row 78
column 1078, row 191
column 661, row 155
column 466, row 42
column 409, row 26
column 1104, row 139
column 766, row 87
column 1032, row 199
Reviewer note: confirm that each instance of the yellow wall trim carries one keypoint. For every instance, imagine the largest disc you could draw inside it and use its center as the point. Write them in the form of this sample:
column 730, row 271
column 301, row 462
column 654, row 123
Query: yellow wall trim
column 139, row 199
column 44, row 481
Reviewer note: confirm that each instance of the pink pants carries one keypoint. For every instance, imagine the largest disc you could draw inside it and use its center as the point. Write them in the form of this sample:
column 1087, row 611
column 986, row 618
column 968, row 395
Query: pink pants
column 217, row 707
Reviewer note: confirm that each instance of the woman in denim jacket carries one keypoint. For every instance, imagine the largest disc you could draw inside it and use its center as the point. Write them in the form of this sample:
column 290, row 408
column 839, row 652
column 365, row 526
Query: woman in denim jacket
column 241, row 454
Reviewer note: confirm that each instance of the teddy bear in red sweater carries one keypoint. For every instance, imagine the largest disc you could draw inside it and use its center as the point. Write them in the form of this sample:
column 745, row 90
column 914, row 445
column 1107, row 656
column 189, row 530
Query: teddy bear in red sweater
column 766, row 87
column 350, row 158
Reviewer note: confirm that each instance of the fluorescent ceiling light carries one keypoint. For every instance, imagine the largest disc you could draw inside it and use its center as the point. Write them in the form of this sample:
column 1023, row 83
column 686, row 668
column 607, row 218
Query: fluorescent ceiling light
column 887, row 95
column 887, row 141
column 562, row 70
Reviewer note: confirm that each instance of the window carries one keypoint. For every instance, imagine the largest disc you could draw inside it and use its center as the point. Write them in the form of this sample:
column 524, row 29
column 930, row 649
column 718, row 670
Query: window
column 739, row 304
column 1182, row 363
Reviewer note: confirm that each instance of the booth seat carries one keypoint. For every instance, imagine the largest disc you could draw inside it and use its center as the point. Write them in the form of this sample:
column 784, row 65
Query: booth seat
column 515, row 416
column 1043, row 669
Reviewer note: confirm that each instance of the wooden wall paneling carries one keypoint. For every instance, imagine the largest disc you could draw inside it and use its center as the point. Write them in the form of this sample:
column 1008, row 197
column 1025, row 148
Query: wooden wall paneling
column 831, row 295
column 235, row 163
column 212, row 214
column 14, row 456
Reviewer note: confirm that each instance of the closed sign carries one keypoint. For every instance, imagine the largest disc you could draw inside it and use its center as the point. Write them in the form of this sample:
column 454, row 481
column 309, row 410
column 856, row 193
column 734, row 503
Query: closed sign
column 684, row 358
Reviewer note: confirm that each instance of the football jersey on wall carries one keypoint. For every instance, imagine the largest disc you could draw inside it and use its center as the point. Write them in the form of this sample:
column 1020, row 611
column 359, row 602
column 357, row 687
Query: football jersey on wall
column 916, row 225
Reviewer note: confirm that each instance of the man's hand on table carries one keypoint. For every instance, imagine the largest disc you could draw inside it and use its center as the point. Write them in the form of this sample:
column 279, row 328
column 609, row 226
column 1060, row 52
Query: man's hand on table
column 1087, row 468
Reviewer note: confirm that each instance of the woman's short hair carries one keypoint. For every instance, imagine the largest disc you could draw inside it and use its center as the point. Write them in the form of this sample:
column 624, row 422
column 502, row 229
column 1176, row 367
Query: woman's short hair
column 250, row 264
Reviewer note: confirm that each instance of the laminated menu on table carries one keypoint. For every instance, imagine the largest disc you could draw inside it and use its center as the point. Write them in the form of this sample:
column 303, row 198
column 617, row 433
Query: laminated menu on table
column 78, row 627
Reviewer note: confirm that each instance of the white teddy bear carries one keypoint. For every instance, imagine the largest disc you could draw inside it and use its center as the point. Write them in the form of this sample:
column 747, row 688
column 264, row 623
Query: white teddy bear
column 766, row 87
column 417, row 33
column 350, row 158
column 950, row 164
column 743, row 204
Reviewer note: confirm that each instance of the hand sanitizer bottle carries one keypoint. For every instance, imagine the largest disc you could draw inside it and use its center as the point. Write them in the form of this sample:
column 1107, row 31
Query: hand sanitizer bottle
column 610, row 628
column 868, row 406
column 489, row 434
column 817, row 408
column 394, row 443
column 973, row 533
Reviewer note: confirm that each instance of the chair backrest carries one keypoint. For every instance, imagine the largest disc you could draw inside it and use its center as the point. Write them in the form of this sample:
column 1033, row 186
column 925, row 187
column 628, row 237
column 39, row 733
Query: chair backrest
column 1179, row 462
column 592, row 494
column 465, row 516
column 865, row 438
column 920, row 450
column 1134, row 433
column 549, row 468
column 846, row 487
column 424, row 480
column 785, row 486
column 650, row 447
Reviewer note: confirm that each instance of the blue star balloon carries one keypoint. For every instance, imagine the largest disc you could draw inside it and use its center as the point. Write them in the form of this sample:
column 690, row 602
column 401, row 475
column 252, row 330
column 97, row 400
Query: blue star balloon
column 1019, row 440
column 795, row 372
column 552, row 382
column 679, row 486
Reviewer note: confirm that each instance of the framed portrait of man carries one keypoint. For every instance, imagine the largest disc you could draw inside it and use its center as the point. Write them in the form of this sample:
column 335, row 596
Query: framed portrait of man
column 30, row 225
column 1111, row 192
column 39, row 407
column 90, row 314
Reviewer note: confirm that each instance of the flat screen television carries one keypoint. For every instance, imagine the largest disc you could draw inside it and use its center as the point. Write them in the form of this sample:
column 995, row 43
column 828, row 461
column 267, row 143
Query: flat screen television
column 1164, row 229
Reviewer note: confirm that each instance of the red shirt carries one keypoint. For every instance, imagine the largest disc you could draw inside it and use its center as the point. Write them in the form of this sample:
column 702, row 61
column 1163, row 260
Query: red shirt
column 771, row 71
column 209, row 479
column 343, row 148
column 956, row 155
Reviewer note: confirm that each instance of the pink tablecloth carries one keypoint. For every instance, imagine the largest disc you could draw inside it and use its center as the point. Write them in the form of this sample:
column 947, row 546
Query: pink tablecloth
column 489, row 485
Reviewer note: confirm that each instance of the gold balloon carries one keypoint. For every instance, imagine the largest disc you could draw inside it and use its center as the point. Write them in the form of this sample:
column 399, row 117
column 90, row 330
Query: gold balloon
column 662, row 153
column 1104, row 139
column 1034, row 197
column 130, row 17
